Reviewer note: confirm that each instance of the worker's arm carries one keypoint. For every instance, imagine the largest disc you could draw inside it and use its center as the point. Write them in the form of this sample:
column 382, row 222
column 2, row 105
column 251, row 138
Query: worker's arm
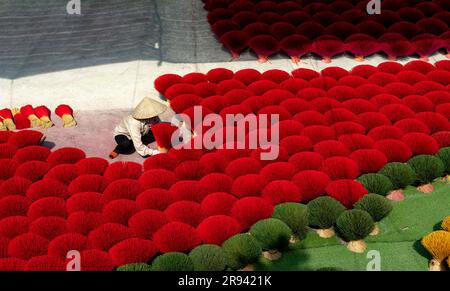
column 136, row 138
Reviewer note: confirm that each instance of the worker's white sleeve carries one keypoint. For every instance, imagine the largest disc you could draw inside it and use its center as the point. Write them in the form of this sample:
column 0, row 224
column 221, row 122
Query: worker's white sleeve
column 136, row 138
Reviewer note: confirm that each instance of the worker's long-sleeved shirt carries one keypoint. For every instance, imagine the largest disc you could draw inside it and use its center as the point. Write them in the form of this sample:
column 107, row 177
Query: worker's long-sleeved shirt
column 134, row 129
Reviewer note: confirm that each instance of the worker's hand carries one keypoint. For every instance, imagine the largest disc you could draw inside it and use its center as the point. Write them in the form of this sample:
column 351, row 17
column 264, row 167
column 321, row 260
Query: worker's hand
column 15, row 111
column 155, row 152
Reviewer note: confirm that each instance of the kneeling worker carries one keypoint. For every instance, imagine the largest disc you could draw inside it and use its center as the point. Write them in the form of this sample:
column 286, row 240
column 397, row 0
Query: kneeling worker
column 134, row 131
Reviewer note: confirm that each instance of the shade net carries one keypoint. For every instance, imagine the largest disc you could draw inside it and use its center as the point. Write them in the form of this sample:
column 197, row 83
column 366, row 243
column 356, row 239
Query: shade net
column 40, row 36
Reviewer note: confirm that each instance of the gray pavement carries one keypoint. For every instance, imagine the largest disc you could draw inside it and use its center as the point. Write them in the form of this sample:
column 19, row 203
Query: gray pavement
column 93, row 133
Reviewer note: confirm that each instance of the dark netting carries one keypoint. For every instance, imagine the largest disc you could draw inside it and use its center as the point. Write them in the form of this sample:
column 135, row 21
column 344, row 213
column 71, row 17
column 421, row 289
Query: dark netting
column 39, row 36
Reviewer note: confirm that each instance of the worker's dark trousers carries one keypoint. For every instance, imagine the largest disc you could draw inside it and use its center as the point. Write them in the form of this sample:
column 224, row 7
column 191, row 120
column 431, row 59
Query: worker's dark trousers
column 126, row 146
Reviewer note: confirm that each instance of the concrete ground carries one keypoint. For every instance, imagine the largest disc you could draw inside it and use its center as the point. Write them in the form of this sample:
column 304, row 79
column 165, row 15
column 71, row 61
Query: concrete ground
column 93, row 133
column 122, row 85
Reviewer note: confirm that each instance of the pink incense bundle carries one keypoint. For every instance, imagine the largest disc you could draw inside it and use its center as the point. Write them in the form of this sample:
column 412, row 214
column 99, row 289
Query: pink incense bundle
column 295, row 46
column 66, row 114
column 43, row 113
column 163, row 133
column 7, row 119
column 328, row 46
column 2, row 125
column 264, row 46
column 28, row 111
column 235, row 41
column 20, row 120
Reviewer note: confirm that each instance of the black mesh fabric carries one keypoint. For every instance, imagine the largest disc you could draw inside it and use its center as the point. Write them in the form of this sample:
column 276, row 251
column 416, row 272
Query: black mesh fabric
column 40, row 36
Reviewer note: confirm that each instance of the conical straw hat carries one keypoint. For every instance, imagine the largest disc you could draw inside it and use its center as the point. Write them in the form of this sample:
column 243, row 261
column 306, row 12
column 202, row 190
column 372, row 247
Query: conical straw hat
column 148, row 108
